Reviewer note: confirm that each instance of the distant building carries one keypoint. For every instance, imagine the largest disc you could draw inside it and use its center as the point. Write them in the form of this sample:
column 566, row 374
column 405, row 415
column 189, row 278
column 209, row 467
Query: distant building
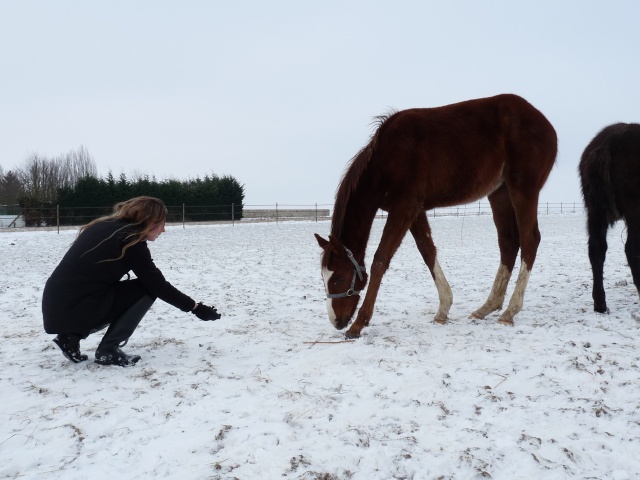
column 12, row 221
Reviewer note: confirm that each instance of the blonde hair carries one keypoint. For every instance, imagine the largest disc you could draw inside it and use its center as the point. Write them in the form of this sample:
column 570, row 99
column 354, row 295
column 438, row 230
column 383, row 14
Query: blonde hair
column 144, row 212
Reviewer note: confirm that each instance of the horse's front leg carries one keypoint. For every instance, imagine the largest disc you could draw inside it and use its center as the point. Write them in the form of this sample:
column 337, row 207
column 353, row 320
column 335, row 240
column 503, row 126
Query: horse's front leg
column 394, row 230
column 378, row 268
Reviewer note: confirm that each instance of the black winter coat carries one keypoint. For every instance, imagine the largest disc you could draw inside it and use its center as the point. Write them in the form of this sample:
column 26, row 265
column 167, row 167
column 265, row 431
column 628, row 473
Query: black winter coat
column 81, row 290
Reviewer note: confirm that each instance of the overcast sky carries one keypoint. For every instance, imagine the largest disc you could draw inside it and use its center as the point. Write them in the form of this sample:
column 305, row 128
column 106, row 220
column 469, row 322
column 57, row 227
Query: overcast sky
column 281, row 94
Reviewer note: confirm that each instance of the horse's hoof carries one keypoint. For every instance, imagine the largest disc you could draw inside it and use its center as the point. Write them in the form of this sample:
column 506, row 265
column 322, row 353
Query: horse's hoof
column 506, row 322
column 351, row 335
column 440, row 321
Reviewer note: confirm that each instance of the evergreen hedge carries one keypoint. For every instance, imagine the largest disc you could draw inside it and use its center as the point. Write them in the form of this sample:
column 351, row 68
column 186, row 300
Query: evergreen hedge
column 211, row 198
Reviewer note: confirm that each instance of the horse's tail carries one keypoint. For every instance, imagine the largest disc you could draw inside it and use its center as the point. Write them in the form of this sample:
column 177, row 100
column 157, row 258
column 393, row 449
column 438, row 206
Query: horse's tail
column 595, row 177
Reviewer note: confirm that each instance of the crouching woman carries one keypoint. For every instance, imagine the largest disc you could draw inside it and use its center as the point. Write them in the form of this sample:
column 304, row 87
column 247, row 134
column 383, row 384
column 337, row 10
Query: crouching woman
column 86, row 293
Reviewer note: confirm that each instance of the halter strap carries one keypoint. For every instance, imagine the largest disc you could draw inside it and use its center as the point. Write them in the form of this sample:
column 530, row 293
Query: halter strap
column 357, row 270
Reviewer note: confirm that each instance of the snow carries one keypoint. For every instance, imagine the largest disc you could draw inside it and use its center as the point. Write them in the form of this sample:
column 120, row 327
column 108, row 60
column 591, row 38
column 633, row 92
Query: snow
column 257, row 395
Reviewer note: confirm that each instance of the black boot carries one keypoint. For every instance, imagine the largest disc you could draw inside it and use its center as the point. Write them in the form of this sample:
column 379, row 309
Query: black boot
column 118, row 333
column 70, row 346
column 115, row 356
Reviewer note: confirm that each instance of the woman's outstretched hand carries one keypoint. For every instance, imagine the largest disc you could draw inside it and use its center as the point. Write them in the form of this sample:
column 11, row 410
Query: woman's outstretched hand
column 205, row 312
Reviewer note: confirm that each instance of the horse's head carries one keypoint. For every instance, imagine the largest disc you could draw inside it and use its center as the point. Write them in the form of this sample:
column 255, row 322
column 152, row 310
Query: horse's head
column 343, row 277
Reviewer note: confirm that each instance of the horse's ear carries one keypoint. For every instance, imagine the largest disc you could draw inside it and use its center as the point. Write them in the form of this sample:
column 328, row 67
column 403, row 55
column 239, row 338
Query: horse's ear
column 321, row 241
column 336, row 245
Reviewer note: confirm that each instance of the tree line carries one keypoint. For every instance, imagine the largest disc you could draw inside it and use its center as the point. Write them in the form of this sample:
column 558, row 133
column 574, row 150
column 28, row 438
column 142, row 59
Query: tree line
column 67, row 189
column 38, row 179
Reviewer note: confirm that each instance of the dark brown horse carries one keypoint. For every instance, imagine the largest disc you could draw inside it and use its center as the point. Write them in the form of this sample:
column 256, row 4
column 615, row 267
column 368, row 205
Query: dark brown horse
column 610, row 178
column 419, row 159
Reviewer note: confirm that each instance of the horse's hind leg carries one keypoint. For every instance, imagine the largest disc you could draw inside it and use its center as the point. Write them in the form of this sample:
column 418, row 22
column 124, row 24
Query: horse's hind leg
column 504, row 218
column 422, row 235
column 632, row 247
column 597, row 227
column 526, row 208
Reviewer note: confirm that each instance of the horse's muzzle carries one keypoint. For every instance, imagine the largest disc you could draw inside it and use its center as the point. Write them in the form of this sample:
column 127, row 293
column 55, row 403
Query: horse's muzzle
column 341, row 324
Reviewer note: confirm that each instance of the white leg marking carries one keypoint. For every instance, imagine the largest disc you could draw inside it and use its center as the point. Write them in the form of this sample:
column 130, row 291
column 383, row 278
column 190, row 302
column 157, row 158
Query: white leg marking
column 499, row 289
column 326, row 276
column 517, row 298
column 445, row 295
column 496, row 297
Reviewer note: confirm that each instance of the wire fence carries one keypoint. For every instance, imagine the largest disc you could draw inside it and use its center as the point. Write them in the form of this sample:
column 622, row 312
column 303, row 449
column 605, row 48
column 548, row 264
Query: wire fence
column 484, row 208
column 14, row 216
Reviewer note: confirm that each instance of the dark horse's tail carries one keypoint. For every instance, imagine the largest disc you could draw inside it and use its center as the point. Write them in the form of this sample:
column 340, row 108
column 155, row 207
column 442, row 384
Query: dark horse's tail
column 595, row 175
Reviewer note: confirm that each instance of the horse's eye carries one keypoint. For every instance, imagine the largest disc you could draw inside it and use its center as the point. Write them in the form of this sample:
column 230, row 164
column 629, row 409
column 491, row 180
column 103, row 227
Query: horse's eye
column 338, row 280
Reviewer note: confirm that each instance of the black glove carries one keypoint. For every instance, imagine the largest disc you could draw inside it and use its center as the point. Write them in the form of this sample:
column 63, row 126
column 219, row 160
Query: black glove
column 205, row 312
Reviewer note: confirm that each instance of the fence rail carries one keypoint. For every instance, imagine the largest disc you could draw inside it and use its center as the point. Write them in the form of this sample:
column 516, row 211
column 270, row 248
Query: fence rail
column 13, row 216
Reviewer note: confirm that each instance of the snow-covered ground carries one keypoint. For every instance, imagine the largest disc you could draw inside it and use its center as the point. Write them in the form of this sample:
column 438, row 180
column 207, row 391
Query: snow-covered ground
column 256, row 395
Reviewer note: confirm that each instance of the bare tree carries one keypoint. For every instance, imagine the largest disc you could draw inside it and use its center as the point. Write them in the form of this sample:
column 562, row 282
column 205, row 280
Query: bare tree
column 74, row 166
column 138, row 176
column 41, row 177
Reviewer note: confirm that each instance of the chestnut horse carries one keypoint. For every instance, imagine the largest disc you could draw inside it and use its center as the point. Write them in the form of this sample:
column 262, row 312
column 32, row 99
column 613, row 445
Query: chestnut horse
column 423, row 158
column 610, row 178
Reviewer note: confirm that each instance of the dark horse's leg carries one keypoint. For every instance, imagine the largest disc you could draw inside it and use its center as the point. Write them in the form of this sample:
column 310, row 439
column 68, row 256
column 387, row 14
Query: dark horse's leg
column 632, row 247
column 504, row 217
column 398, row 222
column 597, row 226
column 422, row 235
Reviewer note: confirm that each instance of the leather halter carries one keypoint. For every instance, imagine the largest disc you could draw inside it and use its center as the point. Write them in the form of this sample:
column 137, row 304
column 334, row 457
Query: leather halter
column 357, row 270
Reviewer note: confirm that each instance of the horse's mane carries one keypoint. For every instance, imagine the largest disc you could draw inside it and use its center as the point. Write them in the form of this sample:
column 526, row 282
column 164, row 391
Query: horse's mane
column 353, row 172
